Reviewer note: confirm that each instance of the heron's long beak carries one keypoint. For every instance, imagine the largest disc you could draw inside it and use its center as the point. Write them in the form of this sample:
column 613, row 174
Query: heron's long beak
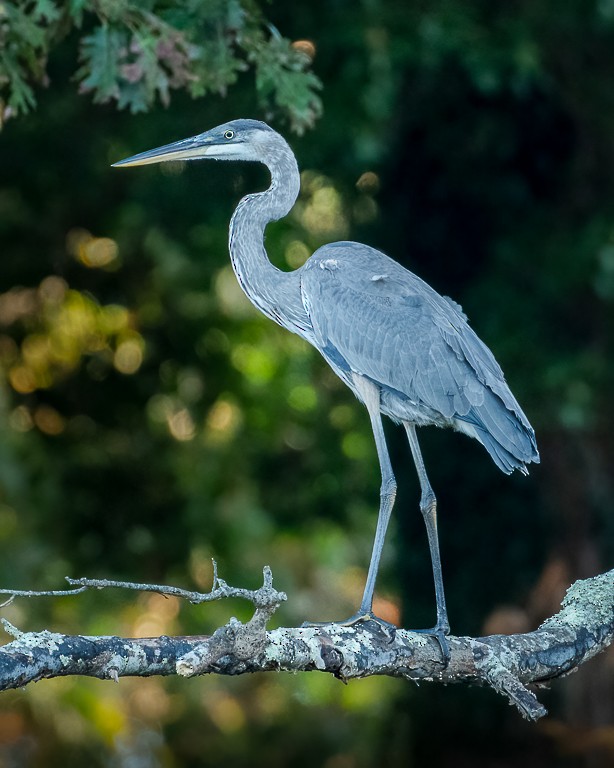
column 193, row 148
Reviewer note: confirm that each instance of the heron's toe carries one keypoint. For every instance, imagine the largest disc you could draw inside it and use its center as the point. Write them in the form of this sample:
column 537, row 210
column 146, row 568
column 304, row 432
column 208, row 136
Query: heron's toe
column 440, row 634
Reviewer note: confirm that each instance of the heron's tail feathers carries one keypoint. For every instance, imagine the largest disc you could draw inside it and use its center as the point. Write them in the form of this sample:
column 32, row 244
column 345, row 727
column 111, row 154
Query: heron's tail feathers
column 505, row 459
column 505, row 433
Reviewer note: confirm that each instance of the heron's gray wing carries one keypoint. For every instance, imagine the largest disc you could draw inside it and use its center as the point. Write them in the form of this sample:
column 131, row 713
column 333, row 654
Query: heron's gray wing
column 372, row 316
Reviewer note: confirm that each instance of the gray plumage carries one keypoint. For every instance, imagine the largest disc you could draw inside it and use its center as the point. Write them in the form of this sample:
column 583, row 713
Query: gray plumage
column 430, row 366
column 404, row 350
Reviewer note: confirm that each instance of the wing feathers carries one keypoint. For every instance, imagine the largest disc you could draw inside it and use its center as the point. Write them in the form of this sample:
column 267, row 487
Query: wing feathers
column 402, row 334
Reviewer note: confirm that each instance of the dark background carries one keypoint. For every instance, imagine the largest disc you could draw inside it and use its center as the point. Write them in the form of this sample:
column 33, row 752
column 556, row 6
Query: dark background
column 151, row 419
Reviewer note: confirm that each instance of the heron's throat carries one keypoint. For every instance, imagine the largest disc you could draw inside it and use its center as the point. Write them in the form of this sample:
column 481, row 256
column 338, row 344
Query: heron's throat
column 274, row 292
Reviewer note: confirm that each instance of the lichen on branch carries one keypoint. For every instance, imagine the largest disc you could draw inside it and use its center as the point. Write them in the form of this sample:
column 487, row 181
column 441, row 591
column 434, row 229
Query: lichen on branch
column 507, row 663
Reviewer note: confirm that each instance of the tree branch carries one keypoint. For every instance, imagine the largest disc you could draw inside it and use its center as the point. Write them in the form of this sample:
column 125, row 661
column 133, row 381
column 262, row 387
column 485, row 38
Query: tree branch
column 508, row 663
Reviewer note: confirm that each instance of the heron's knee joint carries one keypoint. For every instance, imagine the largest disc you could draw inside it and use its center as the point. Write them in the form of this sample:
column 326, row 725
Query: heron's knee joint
column 428, row 504
column 389, row 488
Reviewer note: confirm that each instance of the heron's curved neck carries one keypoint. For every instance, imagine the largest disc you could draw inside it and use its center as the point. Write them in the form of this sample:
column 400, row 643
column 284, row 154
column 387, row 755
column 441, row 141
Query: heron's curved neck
column 272, row 291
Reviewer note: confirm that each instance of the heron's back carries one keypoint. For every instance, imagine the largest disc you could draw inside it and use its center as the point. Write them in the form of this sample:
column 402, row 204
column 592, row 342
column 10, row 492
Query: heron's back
column 373, row 317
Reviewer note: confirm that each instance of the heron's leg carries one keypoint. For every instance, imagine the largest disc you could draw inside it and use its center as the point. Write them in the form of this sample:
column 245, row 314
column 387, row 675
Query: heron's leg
column 370, row 395
column 428, row 507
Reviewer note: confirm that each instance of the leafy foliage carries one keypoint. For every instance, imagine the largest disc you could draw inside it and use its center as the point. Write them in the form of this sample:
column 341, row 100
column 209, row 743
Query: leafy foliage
column 24, row 40
column 134, row 54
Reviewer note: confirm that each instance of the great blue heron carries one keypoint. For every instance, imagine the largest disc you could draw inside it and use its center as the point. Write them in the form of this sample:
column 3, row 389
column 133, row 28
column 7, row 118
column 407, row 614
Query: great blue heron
column 404, row 350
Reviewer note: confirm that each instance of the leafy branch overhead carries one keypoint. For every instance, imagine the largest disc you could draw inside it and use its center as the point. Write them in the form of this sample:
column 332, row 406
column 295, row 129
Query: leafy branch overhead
column 135, row 54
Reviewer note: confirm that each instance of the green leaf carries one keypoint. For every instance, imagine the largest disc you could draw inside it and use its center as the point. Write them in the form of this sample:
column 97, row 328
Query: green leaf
column 100, row 55
column 283, row 82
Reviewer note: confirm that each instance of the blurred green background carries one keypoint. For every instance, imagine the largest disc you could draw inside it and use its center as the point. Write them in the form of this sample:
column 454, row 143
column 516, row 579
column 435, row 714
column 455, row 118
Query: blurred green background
column 152, row 419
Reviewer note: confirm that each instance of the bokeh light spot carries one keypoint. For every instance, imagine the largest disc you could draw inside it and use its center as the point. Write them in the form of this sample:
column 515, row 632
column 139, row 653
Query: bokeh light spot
column 53, row 289
column 306, row 47
column 181, row 425
column 48, row 420
column 22, row 380
column 296, row 254
column 368, row 182
column 20, row 419
column 92, row 252
column 223, row 421
column 303, row 398
column 128, row 356
column 226, row 712
column 355, row 445
column 257, row 363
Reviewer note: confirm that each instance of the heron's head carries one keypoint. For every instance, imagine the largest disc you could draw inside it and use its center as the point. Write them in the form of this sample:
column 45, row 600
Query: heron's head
column 236, row 140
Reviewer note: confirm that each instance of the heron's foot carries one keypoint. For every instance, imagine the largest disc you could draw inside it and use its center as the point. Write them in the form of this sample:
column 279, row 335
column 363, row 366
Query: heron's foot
column 440, row 634
column 359, row 617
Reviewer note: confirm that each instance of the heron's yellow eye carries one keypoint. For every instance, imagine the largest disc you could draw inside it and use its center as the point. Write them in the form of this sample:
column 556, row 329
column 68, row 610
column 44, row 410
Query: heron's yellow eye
column 229, row 135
